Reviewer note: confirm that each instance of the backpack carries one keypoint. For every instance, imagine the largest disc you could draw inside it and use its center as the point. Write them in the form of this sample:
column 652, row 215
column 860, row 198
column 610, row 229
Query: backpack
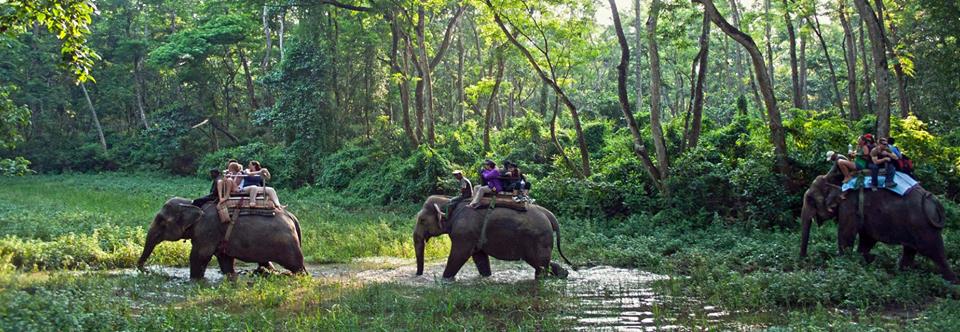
column 904, row 164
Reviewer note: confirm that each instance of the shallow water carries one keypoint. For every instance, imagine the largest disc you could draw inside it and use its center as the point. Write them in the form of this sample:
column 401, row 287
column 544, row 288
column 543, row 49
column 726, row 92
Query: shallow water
column 607, row 298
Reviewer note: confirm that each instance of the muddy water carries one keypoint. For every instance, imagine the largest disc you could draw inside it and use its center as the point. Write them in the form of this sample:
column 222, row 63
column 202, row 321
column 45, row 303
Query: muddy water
column 606, row 298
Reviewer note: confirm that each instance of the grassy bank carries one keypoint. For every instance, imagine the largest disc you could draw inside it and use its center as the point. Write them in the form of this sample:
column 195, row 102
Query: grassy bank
column 51, row 226
column 80, row 221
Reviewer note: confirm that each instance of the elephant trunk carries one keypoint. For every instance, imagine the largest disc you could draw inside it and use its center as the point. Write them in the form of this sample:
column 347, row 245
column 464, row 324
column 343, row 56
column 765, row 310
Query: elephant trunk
column 419, row 242
column 153, row 238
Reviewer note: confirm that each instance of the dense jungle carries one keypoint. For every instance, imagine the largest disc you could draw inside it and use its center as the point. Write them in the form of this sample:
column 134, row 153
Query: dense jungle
column 677, row 144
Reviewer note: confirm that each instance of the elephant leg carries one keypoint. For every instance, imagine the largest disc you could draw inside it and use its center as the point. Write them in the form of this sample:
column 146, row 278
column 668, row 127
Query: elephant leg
column 226, row 264
column 458, row 256
column 846, row 234
column 866, row 244
column 907, row 258
column 266, row 266
column 482, row 261
column 198, row 264
column 935, row 253
column 293, row 261
column 558, row 270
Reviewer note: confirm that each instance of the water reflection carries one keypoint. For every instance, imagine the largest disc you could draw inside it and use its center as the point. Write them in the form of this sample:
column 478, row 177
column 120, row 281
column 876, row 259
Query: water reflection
column 607, row 298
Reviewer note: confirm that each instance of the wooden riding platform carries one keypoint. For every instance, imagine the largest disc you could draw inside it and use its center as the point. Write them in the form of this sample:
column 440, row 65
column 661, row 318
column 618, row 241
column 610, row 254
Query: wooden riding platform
column 502, row 201
column 239, row 205
column 242, row 201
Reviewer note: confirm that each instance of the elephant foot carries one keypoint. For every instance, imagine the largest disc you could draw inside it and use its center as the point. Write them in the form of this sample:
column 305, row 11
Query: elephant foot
column 869, row 258
column 558, row 271
column 447, row 280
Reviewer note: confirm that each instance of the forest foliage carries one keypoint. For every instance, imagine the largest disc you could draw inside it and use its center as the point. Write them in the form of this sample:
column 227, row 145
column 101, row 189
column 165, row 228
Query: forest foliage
column 382, row 99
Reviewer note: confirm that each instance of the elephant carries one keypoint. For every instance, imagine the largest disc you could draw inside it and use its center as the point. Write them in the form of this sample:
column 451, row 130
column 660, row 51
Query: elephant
column 913, row 221
column 255, row 238
column 511, row 235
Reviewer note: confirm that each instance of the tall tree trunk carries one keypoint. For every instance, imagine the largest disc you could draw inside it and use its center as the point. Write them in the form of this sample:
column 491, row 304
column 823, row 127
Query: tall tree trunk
column 283, row 24
column 251, row 94
column 867, row 77
column 638, row 146
column 891, row 39
column 794, row 72
column 697, row 106
column 265, row 64
column 766, row 20
column 803, row 69
column 491, row 103
column 459, row 92
column 638, row 66
column 425, row 67
column 737, row 55
column 777, row 134
column 401, row 68
column 138, row 89
column 581, row 141
column 833, row 72
column 877, row 46
column 426, row 80
column 663, row 162
column 850, row 57
column 96, row 119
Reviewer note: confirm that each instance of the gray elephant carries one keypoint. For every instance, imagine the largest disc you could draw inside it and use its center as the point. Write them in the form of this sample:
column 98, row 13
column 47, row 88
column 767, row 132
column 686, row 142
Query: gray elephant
column 913, row 221
column 255, row 238
column 511, row 235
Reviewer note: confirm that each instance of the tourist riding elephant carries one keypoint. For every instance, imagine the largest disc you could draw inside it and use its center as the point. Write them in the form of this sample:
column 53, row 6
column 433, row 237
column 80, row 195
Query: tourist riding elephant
column 255, row 238
column 511, row 235
column 913, row 221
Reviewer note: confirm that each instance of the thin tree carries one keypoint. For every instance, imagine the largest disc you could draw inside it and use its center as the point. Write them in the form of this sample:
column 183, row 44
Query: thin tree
column 777, row 134
column 96, row 119
column 638, row 146
column 878, row 48
column 850, row 57
column 663, row 161
column 549, row 79
column 826, row 53
column 697, row 106
column 492, row 101
column 794, row 72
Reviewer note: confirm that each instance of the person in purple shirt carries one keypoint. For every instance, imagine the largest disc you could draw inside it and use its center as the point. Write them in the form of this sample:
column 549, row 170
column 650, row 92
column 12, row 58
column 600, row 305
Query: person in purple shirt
column 492, row 177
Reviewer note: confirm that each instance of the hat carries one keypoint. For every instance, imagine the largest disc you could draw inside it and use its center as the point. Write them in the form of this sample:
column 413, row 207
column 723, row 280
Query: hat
column 457, row 172
column 830, row 155
column 868, row 137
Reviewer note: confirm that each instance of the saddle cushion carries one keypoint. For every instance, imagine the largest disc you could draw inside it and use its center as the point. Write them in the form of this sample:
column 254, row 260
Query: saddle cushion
column 904, row 183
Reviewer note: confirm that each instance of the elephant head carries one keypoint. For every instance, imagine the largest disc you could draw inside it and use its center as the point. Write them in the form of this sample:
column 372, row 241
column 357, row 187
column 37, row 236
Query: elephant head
column 171, row 223
column 820, row 202
column 429, row 221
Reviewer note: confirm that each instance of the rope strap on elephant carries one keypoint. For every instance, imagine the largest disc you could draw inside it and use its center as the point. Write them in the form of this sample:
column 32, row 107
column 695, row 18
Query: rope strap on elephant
column 860, row 205
column 225, row 243
column 483, row 226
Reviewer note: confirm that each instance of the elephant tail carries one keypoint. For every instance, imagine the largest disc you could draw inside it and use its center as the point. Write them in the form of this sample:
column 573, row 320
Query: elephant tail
column 933, row 210
column 556, row 228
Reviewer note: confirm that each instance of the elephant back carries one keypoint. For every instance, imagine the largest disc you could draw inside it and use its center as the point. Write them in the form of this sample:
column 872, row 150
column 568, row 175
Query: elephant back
column 932, row 209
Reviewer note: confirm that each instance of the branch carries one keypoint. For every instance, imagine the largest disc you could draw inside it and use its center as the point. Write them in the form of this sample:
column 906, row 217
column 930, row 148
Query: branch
column 325, row 2
column 446, row 37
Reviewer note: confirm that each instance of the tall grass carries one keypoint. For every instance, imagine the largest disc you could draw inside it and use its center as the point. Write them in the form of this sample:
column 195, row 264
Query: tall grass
column 83, row 221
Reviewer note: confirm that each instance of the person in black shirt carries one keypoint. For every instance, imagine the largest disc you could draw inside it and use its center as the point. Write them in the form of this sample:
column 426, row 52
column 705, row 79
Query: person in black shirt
column 212, row 196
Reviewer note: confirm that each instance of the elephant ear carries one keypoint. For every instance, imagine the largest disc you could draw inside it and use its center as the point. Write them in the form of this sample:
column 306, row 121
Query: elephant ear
column 189, row 215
